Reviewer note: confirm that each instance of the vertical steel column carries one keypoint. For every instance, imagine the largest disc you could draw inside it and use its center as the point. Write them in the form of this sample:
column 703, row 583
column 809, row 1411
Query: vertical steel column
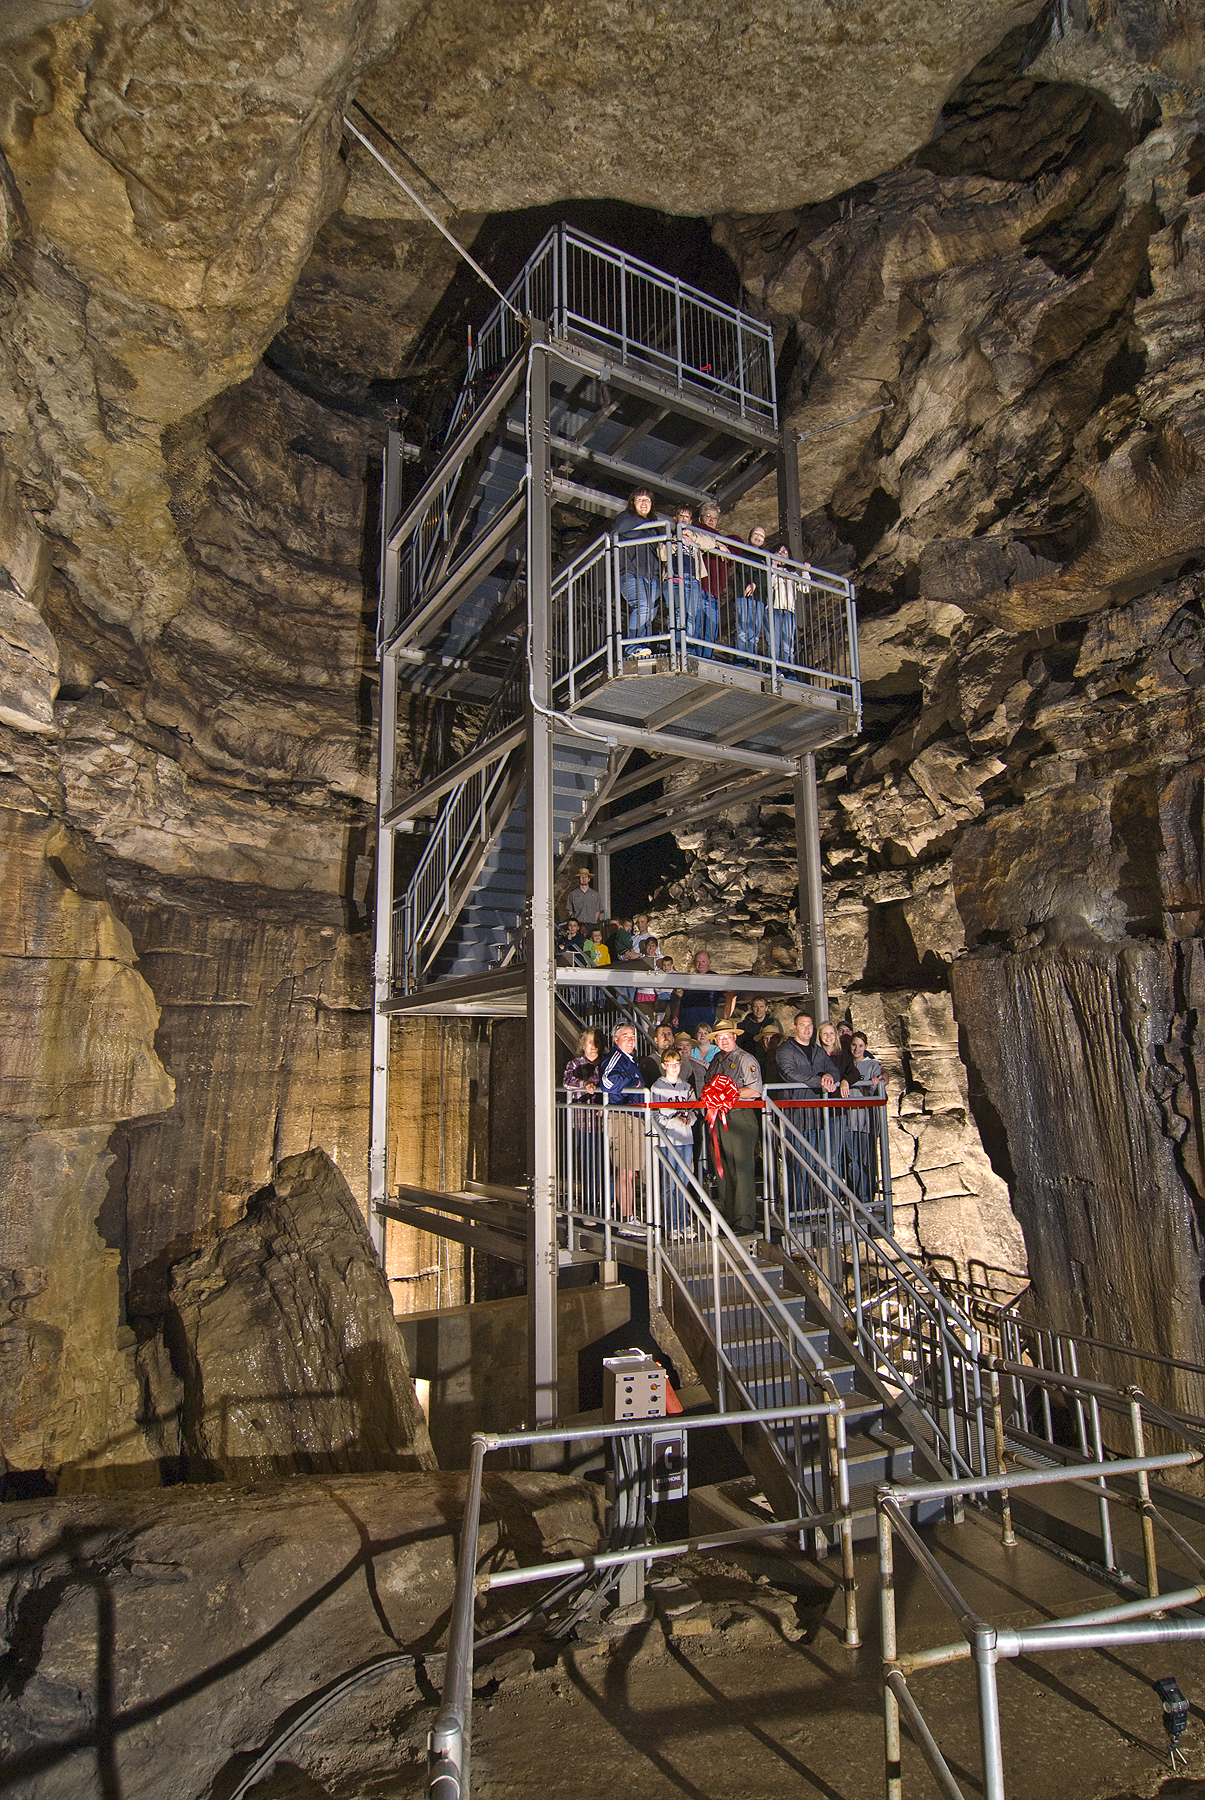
column 541, row 990
column 811, row 886
column 603, row 882
column 807, row 811
column 378, row 1151
column 891, row 1711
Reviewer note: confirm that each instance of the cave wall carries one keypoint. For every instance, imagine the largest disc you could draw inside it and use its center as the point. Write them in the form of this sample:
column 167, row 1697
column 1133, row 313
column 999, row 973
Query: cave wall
column 210, row 312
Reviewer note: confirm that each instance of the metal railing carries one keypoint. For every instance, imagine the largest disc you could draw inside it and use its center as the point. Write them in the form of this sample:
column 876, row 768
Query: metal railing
column 449, row 1741
column 984, row 1643
column 620, row 1175
column 636, row 315
column 678, row 593
column 1008, row 1335
column 452, row 858
column 918, row 1343
column 849, row 1136
column 450, row 517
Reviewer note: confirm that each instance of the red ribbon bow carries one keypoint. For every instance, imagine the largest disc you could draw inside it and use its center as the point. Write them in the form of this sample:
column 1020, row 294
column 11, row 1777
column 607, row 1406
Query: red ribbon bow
column 720, row 1093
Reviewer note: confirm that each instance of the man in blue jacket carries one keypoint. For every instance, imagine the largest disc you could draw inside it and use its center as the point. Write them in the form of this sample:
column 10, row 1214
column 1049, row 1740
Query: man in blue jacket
column 622, row 1086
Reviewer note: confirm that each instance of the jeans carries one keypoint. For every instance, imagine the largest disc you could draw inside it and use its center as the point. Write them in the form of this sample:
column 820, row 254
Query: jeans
column 750, row 623
column 711, row 621
column 687, row 600
column 640, row 592
column 782, row 632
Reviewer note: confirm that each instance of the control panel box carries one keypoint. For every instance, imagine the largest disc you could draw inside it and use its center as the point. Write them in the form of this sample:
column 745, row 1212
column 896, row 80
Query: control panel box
column 634, row 1386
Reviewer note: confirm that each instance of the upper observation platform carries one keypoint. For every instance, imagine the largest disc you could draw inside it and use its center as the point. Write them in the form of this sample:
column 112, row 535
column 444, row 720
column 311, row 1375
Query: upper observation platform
column 640, row 324
column 649, row 381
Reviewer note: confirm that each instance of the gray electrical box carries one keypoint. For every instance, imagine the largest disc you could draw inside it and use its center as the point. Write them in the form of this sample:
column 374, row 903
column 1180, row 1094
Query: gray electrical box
column 634, row 1387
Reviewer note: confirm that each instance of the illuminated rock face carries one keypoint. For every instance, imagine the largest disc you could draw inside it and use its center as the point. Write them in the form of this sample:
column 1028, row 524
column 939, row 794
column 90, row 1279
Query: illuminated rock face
column 187, row 734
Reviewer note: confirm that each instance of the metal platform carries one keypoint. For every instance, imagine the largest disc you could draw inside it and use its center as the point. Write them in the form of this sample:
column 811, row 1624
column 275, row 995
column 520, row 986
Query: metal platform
column 706, row 706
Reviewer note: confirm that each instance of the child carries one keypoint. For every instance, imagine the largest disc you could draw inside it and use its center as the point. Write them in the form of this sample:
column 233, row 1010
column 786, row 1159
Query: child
column 679, row 1129
column 596, row 951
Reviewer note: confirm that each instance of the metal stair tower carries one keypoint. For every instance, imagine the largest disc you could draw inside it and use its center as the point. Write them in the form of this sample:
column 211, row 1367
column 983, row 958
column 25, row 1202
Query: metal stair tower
column 499, row 592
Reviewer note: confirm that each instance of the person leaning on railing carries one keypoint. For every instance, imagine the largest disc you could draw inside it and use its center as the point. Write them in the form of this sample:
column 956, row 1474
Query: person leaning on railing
column 685, row 567
column 638, row 563
column 860, row 1119
column 784, row 592
column 813, row 1074
column 717, row 573
column 582, row 1082
column 753, row 593
column 622, row 1087
column 679, row 1129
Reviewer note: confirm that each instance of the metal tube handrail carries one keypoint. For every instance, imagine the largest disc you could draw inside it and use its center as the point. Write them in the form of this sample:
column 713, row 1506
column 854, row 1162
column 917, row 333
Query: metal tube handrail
column 1125, row 1623
column 575, row 297
column 448, row 1743
column 991, row 1484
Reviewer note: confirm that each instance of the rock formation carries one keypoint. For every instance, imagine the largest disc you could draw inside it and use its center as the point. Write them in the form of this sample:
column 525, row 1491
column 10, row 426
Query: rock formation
column 281, row 1335
column 989, row 217
column 173, row 1635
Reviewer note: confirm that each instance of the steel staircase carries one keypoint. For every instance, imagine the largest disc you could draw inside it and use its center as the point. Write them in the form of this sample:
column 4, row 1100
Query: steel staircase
column 877, row 1447
column 746, row 1346
column 462, row 913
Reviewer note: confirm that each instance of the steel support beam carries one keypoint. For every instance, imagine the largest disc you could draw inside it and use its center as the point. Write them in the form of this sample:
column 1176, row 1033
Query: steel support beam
column 378, row 1151
column 811, row 886
column 492, row 751
column 541, row 952
column 483, row 420
column 810, row 911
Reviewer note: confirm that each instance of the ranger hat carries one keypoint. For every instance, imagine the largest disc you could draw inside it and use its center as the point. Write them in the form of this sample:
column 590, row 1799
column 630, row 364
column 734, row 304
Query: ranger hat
column 722, row 1025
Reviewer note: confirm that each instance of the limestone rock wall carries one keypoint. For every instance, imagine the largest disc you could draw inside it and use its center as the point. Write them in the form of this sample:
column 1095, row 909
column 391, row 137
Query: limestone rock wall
column 77, row 1058
column 222, row 1609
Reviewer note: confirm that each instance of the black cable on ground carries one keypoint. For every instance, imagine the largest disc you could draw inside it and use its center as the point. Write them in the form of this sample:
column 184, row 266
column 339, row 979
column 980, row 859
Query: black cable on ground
column 583, row 1591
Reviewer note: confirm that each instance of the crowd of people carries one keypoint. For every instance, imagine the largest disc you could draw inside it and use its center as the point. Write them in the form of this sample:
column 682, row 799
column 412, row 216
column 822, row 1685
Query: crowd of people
column 689, row 581
column 695, row 1035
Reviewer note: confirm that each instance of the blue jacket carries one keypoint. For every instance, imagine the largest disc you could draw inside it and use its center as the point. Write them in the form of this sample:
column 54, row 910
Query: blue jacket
column 619, row 1073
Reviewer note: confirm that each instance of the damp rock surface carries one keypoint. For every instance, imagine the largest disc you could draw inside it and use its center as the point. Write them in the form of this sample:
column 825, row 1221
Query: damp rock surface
column 215, row 1611
column 281, row 1331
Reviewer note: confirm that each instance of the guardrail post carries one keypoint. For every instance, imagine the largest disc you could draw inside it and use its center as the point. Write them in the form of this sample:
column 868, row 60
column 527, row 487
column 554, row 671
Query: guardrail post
column 543, row 1255
column 1144, row 1494
column 983, row 1650
column 1007, row 1535
column 448, row 1744
column 894, row 1785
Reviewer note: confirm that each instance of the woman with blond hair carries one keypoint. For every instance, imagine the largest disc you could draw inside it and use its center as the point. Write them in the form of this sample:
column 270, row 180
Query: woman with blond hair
column 582, row 1082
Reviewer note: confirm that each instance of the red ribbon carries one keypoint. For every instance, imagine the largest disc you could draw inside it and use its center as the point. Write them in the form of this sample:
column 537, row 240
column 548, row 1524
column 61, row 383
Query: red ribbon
column 720, row 1093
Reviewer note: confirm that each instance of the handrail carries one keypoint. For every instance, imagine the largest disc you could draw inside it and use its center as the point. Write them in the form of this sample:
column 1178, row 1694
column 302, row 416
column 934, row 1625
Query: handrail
column 904, row 1325
column 448, row 1742
column 636, row 314
column 678, row 593
column 982, row 1642
column 619, row 1174
column 459, row 842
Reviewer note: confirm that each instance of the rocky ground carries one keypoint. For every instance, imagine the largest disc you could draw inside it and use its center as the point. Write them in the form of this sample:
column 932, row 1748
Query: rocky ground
column 727, row 1684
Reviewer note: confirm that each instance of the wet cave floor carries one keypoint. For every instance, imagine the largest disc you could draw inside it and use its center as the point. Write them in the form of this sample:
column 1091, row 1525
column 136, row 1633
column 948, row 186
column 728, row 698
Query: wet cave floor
column 738, row 1709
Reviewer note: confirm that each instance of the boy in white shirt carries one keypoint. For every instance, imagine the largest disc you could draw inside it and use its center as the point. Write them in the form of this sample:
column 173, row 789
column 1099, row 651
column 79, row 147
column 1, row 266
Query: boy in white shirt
column 679, row 1129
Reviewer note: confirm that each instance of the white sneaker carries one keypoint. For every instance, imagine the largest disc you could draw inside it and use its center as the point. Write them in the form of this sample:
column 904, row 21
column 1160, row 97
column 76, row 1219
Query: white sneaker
column 644, row 652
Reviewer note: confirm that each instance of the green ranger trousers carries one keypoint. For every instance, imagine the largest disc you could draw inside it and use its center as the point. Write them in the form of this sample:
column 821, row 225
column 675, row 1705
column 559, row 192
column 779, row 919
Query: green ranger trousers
column 738, row 1149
